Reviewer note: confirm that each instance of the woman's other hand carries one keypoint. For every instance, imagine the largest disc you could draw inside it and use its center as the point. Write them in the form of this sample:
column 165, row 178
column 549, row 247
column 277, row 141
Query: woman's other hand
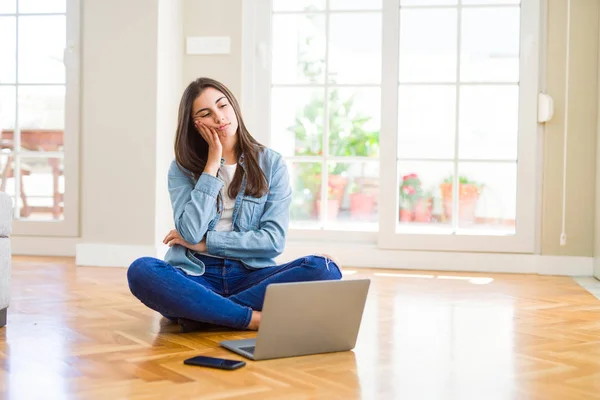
column 173, row 237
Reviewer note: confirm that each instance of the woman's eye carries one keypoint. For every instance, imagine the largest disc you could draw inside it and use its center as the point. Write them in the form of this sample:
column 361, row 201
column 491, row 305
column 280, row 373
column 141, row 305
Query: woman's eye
column 224, row 105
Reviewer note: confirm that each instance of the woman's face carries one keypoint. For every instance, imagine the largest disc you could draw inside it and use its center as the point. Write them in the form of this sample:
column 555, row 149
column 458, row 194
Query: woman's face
column 214, row 110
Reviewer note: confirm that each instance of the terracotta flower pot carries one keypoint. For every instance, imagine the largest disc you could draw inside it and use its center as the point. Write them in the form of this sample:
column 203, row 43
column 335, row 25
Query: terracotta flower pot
column 333, row 208
column 422, row 211
column 405, row 215
column 337, row 185
column 468, row 196
column 361, row 205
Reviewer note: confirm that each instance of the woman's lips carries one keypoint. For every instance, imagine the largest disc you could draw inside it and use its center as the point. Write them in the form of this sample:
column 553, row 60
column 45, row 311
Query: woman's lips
column 222, row 127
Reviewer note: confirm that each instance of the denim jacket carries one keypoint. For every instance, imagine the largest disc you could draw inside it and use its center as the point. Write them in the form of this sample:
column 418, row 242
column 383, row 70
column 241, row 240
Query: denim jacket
column 259, row 224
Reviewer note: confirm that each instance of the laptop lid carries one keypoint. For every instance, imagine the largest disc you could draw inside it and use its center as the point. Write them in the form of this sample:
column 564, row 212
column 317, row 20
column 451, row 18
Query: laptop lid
column 310, row 317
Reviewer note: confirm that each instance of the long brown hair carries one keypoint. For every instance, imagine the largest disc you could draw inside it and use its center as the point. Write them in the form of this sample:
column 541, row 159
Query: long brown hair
column 191, row 150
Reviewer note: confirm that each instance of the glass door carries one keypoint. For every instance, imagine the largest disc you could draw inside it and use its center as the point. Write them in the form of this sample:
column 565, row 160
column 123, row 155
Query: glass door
column 39, row 114
column 459, row 125
column 410, row 124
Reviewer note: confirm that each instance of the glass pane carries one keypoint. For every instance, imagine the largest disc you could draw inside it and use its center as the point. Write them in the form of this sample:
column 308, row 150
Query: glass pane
column 488, row 197
column 297, row 120
column 41, row 107
column 354, row 37
column 42, row 6
column 41, row 46
column 298, row 5
column 491, row 2
column 428, row 2
column 422, row 196
column 490, row 44
column 426, row 121
column 306, row 184
column 352, row 195
column 8, row 6
column 7, row 116
column 354, row 122
column 7, row 181
column 298, row 48
column 8, row 49
column 355, row 4
column 43, row 188
column 489, row 122
column 428, row 45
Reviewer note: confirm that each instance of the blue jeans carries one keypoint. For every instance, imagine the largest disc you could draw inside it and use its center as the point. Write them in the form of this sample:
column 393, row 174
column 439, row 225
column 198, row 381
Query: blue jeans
column 225, row 294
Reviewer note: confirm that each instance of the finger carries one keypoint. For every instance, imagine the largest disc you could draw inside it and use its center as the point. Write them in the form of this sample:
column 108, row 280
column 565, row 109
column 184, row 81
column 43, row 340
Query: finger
column 171, row 235
column 207, row 129
column 179, row 242
column 209, row 137
column 214, row 133
column 173, row 241
column 215, row 137
column 198, row 123
column 204, row 133
column 200, row 127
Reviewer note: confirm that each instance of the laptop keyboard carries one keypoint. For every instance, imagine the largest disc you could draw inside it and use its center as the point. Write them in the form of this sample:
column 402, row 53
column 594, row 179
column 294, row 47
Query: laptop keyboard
column 249, row 349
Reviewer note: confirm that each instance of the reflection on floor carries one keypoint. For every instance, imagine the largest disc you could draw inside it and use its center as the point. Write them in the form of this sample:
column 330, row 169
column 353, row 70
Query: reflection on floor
column 590, row 284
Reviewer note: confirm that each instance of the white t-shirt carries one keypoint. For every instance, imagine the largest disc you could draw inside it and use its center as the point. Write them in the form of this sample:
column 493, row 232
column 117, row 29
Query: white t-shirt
column 226, row 173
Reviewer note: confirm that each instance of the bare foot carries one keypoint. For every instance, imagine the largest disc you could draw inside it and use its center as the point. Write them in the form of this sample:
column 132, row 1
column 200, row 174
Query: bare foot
column 255, row 320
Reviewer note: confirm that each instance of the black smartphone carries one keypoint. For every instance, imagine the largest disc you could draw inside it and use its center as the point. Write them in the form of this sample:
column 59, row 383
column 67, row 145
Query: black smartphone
column 212, row 362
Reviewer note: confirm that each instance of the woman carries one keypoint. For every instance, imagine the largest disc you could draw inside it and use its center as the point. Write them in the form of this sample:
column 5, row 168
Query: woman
column 231, row 199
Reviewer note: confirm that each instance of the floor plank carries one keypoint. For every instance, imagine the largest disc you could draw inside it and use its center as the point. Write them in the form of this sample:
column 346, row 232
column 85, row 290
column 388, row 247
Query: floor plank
column 76, row 332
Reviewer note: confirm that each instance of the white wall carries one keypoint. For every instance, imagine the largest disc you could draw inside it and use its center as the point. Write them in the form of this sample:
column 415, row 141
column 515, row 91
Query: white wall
column 118, row 120
column 131, row 69
column 581, row 158
column 215, row 18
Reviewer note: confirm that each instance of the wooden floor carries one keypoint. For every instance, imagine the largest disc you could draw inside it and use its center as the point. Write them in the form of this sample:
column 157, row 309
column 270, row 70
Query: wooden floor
column 77, row 333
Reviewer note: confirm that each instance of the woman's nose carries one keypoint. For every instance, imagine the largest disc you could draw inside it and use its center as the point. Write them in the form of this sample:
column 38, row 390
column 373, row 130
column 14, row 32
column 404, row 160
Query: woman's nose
column 219, row 118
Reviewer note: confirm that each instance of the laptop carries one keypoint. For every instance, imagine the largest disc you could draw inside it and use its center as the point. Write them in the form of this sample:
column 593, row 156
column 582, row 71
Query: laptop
column 303, row 318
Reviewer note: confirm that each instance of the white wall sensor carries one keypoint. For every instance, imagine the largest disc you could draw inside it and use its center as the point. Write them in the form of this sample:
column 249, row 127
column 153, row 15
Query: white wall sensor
column 545, row 108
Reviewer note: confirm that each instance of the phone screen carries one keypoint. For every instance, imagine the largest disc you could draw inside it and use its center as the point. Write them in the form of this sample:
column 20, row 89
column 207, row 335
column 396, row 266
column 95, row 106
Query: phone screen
column 214, row 362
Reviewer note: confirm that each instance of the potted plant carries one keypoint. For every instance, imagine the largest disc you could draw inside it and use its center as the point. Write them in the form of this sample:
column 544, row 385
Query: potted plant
column 348, row 137
column 468, row 196
column 415, row 204
column 422, row 210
